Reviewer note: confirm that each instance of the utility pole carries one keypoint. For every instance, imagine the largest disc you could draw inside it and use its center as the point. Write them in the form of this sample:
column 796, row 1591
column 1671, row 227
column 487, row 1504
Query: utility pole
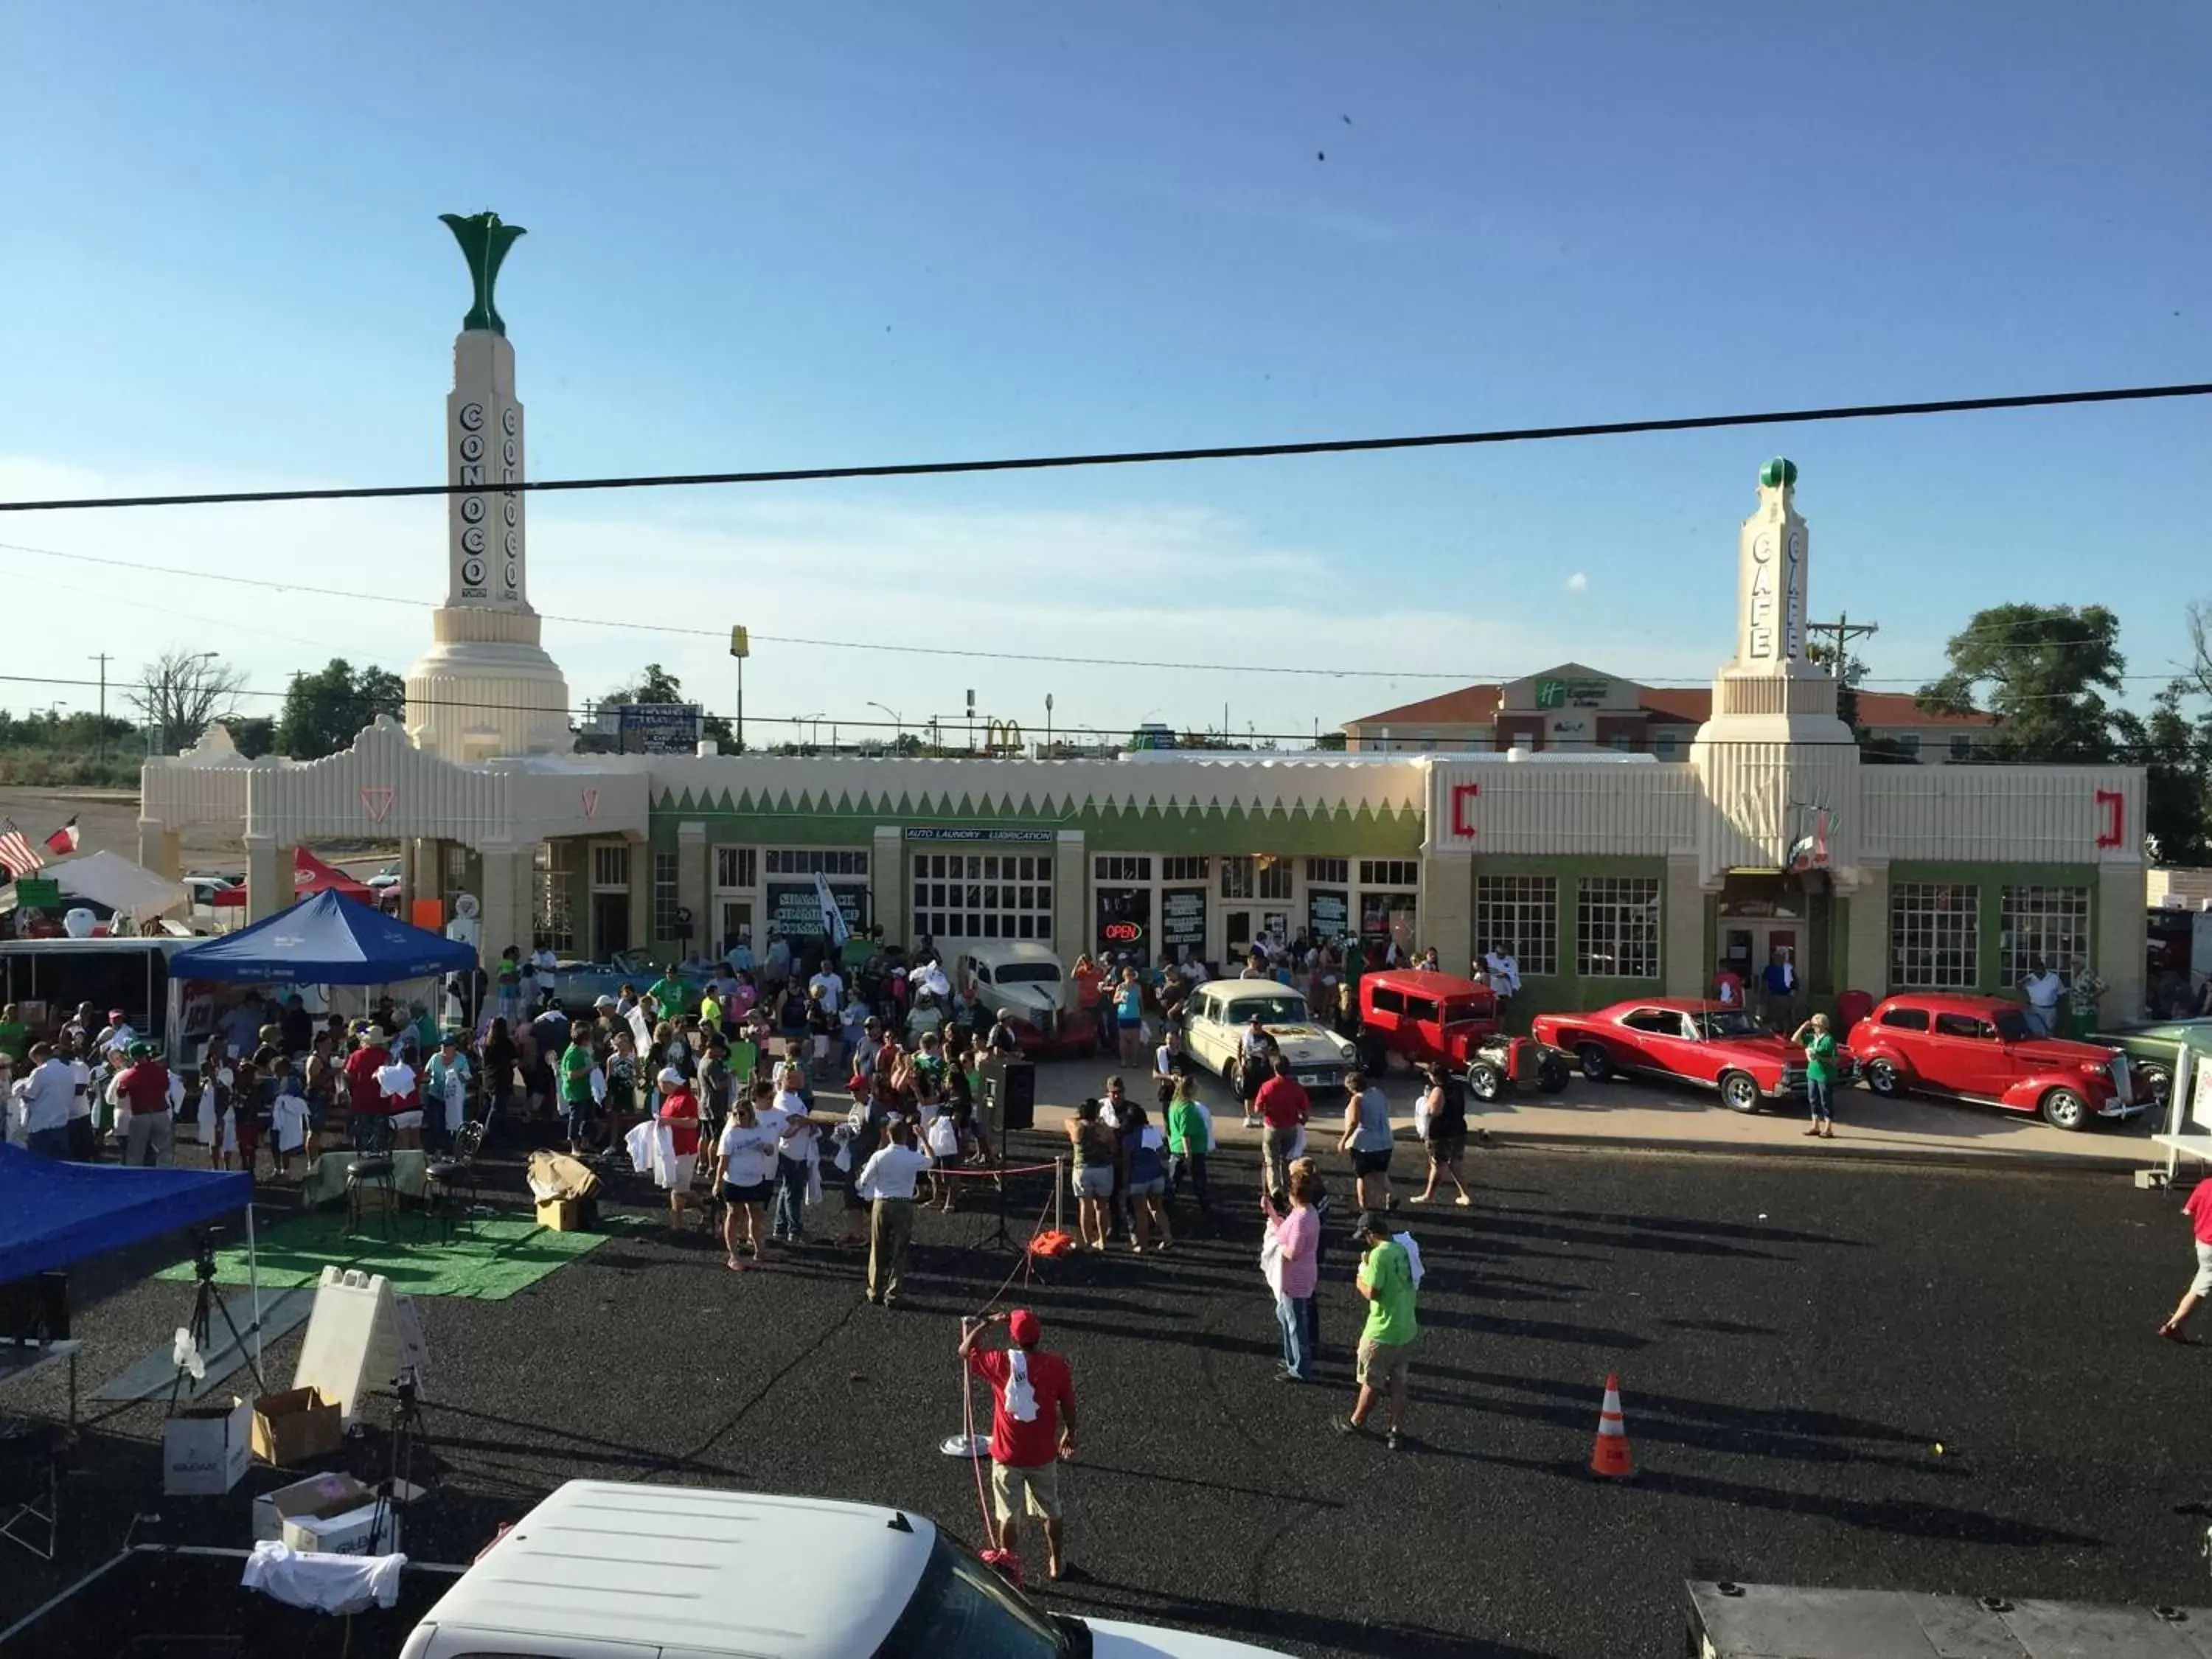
column 1846, row 630
column 103, row 660
column 1047, row 722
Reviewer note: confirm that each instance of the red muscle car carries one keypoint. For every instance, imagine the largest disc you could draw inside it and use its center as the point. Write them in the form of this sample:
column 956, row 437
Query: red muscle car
column 1714, row 1045
column 1980, row 1048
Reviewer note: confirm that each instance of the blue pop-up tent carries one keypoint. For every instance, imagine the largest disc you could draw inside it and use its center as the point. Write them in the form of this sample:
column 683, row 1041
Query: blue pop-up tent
column 328, row 940
column 52, row 1214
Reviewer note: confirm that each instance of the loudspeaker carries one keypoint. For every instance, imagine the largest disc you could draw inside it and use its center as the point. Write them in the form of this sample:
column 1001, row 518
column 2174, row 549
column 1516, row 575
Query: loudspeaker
column 35, row 1310
column 1009, row 1095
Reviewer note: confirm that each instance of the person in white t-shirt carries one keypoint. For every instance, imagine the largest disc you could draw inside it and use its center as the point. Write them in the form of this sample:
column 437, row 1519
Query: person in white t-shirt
column 288, row 1127
column 831, row 989
column 744, row 1174
column 2043, row 988
column 887, row 1181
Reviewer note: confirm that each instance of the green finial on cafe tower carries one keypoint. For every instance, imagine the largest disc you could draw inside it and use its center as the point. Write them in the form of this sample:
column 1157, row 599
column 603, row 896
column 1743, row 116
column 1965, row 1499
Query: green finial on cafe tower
column 484, row 244
column 1779, row 473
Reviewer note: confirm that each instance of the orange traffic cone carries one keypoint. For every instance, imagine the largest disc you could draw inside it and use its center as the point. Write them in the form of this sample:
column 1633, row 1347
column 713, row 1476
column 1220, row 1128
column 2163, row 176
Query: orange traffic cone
column 1610, row 1456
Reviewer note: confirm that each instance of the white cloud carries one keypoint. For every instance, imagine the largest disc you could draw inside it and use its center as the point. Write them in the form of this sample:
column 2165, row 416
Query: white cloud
column 1578, row 583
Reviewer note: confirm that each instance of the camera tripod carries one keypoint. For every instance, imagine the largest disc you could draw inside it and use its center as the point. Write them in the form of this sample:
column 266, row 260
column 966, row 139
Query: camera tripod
column 207, row 1300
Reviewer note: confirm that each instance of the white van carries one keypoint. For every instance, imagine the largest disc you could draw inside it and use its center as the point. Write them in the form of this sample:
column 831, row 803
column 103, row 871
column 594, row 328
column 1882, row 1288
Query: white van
column 607, row 1570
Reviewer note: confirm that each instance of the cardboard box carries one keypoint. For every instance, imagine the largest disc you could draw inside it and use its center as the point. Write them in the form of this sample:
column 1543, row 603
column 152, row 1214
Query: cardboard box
column 555, row 1174
column 296, row 1426
column 372, row 1529
column 205, row 1449
column 317, row 1495
column 568, row 1215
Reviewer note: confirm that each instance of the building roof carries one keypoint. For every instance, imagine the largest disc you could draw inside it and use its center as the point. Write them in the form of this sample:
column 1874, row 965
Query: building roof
column 1687, row 705
column 1471, row 705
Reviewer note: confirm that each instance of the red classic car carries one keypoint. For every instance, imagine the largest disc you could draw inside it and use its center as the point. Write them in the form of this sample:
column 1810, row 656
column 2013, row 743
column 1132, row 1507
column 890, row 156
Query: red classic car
column 1709, row 1043
column 1441, row 1017
column 1980, row 1048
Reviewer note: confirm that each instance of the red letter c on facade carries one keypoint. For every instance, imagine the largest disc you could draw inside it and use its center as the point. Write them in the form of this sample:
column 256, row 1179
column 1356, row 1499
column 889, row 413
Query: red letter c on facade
column 1462, row 826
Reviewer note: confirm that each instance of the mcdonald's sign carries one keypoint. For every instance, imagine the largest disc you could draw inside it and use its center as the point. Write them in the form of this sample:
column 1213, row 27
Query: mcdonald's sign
column 1003, row 737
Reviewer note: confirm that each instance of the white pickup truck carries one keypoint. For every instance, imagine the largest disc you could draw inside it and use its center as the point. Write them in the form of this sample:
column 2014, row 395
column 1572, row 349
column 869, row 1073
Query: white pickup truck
column 606, row 1570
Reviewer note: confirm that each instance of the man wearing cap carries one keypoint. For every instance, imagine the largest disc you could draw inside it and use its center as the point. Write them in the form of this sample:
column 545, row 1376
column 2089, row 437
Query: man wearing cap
column 145, row 1085
column 1032, row 1428
column 1386, row 1278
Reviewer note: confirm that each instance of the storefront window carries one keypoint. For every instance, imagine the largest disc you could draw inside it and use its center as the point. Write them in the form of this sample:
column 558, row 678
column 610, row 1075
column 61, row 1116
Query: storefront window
column 663, row 895
column 1275, row 878
column 2051, row 923
column 982, row 896
column 555, row 921
column 1617, row 927
column 736, row 867
column 1935, row 941
column 1237, row 877
column 1386, row 919
column 1389, row 872
column 812, row 861
column 1521, row 912
column 1124, row 922
column 1329, row 873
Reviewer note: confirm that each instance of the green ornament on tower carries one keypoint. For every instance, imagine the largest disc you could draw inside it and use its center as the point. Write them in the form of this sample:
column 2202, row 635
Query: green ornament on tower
column 1779, row 473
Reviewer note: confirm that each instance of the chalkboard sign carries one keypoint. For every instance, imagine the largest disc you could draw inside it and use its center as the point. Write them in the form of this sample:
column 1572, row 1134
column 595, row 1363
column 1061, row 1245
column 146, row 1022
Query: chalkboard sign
column 1326, row 911
column 1183, row 922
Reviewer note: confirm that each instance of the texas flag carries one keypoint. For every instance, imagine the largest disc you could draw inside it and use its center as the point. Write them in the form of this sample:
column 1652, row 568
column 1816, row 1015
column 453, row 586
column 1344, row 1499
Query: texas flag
column 64, row 841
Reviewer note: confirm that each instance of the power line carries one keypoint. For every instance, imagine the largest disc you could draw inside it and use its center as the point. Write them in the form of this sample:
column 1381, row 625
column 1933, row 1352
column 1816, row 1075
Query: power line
column 1115, row 732
column 1142, row 457
column 881, row 646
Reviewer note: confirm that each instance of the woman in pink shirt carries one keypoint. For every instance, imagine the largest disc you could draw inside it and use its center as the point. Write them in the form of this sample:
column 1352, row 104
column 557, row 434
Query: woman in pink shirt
column 1290, row 1259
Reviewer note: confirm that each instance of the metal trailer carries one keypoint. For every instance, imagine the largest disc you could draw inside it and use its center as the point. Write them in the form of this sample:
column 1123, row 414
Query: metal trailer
column 1782, row 1621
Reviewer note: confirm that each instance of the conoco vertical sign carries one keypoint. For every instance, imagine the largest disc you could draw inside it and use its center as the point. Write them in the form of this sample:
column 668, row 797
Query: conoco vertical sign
column 485, row 438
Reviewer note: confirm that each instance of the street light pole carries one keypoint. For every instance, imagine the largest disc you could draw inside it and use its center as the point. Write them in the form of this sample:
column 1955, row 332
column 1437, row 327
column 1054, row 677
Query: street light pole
column 897, row 720
column 740, row 648
column 103, row 660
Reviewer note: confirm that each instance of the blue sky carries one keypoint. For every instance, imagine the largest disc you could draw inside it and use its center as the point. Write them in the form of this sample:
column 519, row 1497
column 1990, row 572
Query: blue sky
column 764, row 237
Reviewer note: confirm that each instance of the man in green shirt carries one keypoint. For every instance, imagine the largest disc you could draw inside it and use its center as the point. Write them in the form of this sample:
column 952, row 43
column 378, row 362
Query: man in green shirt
column 576, row 1102
column 1386, row 1280
column 671, row 994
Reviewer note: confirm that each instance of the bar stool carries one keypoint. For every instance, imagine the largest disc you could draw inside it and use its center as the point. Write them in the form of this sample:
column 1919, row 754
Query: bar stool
column 371, row 1172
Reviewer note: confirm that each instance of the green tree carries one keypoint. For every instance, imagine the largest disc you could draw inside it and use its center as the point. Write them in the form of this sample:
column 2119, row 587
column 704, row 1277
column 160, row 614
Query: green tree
column 2175, row 751
column 2042, row 670
column 323, row 710
column 1330, row 741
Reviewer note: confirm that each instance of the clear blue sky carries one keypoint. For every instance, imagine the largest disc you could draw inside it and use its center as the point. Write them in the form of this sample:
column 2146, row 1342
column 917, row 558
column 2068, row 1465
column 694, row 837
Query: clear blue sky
column 765, row 236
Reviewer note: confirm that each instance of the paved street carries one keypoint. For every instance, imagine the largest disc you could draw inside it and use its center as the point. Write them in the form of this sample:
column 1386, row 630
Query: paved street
column 1794, row 1340
column 1623, row 1113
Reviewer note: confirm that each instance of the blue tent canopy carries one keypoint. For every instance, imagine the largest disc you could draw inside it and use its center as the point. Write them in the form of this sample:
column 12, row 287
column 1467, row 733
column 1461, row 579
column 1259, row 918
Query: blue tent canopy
column 328, row 940
column 52, row 1214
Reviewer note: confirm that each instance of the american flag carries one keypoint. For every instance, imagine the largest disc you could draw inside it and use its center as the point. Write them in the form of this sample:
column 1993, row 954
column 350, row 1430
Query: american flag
column 17, row 855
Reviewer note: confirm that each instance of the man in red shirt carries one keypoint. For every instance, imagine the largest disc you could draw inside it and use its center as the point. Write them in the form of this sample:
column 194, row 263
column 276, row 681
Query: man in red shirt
column 1283, row 1107
column 2198, row 1209
column 145, row 1085
column 364, row 1098
column 1032, row 1427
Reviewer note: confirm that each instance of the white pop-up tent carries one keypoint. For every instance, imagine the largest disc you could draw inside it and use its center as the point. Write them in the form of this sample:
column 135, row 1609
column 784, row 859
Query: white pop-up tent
column 129, row 890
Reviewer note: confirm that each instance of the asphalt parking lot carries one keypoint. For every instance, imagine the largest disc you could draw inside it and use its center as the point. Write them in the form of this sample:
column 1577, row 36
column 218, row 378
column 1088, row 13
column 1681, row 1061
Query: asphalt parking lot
column 1794, row 1341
